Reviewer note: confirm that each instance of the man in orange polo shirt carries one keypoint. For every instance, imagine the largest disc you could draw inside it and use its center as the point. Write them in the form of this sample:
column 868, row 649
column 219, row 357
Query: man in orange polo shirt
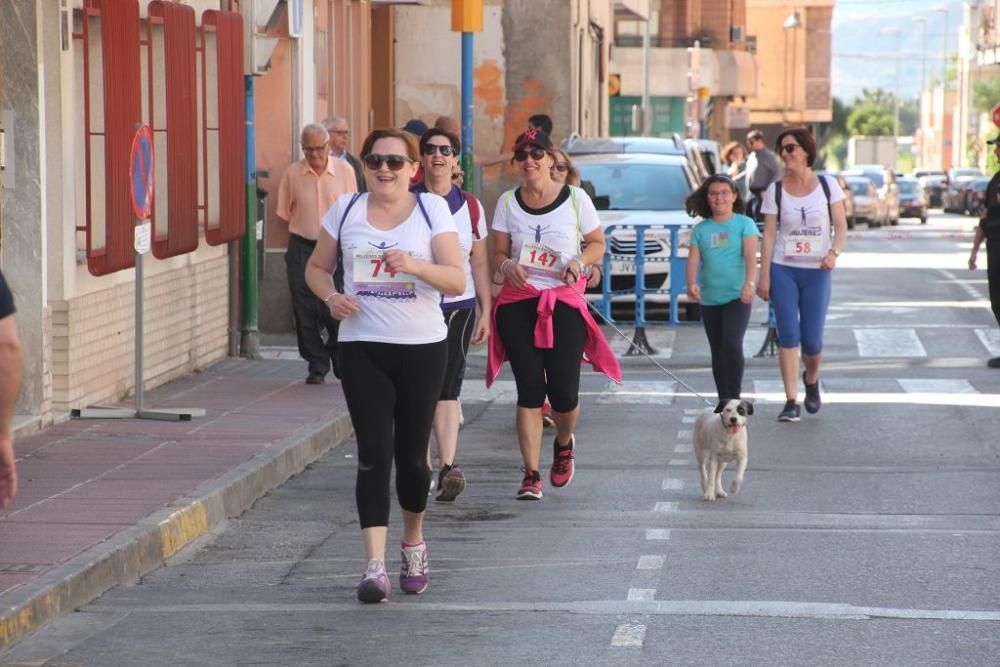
column 308, row 189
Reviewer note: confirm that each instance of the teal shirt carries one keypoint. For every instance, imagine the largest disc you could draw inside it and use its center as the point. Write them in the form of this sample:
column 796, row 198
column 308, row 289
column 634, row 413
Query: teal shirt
column 722, row 271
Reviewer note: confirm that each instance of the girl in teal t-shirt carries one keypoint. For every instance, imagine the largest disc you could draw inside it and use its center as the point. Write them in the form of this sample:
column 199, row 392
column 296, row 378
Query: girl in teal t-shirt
column 721, row 268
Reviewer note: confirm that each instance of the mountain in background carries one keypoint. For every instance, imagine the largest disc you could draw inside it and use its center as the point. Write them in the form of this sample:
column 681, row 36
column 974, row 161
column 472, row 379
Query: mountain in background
column 865, row 49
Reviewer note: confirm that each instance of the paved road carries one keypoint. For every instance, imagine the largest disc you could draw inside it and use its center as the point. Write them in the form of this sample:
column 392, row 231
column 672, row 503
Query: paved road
column 865, row 535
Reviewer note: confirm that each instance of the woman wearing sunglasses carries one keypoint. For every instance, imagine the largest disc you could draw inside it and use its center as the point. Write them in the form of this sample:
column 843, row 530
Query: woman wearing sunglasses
column 400, row 252
column 721, row 268
column 802, row 240
column 439, row 152
column 540, row 319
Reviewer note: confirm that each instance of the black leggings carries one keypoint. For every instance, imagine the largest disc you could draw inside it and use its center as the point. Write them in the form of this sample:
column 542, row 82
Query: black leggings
column 993, row 274
column 725, row 327
column 391, row 392
column 537, row 372
column 460, row 323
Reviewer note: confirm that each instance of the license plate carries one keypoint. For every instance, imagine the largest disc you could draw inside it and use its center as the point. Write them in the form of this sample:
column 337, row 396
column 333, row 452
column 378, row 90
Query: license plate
column 621, row 266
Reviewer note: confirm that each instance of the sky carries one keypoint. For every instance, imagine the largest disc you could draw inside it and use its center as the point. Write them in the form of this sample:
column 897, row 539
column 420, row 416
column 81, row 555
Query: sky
column 865, row 46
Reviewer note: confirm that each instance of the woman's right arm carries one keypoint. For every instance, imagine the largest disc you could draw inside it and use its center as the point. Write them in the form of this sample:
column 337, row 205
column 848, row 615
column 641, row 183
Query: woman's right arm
column 691, row 272
column 505, row 264
column 766, row 254
column 319, row 276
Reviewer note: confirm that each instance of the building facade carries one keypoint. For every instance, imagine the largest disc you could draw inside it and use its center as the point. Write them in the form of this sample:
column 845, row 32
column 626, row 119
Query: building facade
column 78, row 77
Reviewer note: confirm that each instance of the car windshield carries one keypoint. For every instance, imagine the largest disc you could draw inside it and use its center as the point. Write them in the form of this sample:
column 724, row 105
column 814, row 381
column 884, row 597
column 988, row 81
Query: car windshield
column 858, row 188
column 909, row 187
column 876, row 178
column 638, row 187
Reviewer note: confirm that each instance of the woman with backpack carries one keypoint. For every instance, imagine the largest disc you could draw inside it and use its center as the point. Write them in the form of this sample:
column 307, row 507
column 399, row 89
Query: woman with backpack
column 805, row 229
column 439, row 151
column 400, row 253
column 545, row 234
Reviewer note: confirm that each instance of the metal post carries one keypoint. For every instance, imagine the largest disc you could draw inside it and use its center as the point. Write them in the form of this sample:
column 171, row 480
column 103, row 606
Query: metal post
column 139, row 382
column 467, row 110
column 250, row 341
column 647, row 115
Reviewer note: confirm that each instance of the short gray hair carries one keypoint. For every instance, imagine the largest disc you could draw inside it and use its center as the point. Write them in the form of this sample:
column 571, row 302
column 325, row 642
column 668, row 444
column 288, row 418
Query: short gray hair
column 315, row 128
column 330, row 120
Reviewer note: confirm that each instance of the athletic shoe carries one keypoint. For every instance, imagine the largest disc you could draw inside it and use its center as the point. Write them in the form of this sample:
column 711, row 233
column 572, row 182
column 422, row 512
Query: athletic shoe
column 451, row 482
column 531, row 486
column 374, row 586
column 415, row 573
column 433, row 485
column 813, row 401
column 790, row 413
column 562, row 470
column 994, row 362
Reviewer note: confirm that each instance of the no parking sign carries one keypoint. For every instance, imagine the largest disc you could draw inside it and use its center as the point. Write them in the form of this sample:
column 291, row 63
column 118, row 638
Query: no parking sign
column 141, row 172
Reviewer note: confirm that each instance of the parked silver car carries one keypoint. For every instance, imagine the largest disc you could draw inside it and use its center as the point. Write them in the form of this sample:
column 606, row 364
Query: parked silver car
column 631, row 189
column 884, row 180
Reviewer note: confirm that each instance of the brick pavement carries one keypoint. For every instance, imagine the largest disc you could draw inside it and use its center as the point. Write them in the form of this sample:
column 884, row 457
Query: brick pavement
column 103, row 501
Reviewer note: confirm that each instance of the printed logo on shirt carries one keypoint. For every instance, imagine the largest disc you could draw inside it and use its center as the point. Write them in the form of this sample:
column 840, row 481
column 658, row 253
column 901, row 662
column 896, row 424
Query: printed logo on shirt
column 719, row 240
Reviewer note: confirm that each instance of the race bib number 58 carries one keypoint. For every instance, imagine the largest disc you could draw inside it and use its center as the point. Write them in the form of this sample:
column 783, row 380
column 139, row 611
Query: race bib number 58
column 804, row 245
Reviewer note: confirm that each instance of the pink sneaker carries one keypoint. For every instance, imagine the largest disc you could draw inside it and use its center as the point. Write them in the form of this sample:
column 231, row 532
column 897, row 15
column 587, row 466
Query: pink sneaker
column 374, row 586
column 562, row 463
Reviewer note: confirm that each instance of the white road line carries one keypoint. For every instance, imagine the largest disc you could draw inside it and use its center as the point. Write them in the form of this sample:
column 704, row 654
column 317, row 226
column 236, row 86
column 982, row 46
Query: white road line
column 629, row 635
column 664, row 507
column 650, row 562
column 889, row 343
column 684, row 434
column 763, row 388
column 672, row 484
column 692, row 411
column 679, row 462
column 641, row 594
column 990, row 338
column 964, row 285
column 932, row 386
column 657, row 534
column 682, row 448
column 689, row 420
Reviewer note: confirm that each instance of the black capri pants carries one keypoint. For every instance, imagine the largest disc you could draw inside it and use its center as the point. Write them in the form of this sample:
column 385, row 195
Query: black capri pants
column 538, row 372
column 460, row 323
column 391, row 392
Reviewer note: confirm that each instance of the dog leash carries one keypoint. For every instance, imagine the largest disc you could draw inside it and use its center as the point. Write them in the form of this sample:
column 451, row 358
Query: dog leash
column 644, row 353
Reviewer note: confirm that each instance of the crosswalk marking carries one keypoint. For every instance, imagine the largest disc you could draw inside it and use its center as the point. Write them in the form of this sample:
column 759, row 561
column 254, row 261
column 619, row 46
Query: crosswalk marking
column 889, row 343
column 657, row 534
column 990, row 338
column 641, row 594
column 650, row 562
column 944, row 386
column 672, row 484
column 629, row 635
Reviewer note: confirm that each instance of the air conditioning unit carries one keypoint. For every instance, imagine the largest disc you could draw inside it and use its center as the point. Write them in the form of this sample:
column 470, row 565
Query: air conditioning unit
column 736, row 33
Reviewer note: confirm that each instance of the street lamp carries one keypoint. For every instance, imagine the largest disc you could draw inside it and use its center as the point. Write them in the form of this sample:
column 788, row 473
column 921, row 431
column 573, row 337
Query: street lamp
column 923, row 54
column 895, row 117
column 791, row 23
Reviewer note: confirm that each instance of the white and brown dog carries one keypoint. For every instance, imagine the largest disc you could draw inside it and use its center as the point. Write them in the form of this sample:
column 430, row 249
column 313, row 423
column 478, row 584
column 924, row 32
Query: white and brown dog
column 720, row 437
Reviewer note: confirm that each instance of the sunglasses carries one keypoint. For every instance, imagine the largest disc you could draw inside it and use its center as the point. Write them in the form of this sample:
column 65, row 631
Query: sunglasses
column 458, row 176
column 443, row 149
column 789, row 148
column 395, row 162
column 535, row 154
column 560, row 167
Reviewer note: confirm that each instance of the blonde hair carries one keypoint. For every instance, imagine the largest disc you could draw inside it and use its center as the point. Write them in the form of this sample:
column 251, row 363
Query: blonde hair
column 572, row 173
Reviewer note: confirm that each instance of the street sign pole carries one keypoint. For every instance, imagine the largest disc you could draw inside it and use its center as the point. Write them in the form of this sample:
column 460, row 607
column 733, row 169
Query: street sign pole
column 141, row 179
column 467, row 18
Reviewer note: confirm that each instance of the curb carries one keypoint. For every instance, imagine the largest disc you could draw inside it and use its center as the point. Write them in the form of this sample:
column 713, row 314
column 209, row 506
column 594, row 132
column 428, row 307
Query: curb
column 139, row 549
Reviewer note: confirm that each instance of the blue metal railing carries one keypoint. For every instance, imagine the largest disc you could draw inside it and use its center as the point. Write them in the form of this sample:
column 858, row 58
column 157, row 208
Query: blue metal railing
column 675, row 270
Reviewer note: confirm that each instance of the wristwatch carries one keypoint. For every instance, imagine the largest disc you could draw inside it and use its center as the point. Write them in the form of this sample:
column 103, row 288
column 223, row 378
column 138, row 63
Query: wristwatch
column 835, row 252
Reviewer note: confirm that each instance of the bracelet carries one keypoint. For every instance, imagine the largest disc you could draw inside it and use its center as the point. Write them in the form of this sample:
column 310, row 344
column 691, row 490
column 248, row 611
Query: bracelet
column 330, row 296
column 751, row 283
column 503, row 266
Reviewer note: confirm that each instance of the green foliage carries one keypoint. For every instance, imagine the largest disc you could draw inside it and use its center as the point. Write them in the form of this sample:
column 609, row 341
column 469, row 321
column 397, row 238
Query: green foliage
column 834, row 152
column 986, row 94
column 838, row 124
column 870, row 120
column 909, row 117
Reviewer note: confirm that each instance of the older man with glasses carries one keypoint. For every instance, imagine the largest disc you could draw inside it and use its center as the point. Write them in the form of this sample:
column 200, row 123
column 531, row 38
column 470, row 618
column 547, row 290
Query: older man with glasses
column 308, row 189
column 339, row 132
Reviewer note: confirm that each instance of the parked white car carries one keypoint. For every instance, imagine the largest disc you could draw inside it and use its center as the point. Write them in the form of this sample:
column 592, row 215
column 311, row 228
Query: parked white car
column 633, row 189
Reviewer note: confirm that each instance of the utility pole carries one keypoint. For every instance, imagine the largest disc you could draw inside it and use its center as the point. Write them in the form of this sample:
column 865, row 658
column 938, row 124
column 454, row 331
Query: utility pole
column 467, row 18
column 250, row 334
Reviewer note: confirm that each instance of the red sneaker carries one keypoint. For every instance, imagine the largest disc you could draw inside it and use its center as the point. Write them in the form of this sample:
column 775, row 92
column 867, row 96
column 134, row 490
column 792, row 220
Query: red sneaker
column 562, row 463
column 531, row 486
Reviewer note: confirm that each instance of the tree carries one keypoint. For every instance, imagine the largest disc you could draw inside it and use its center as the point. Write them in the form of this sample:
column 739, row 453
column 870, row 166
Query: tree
column 872, row 113
column 986, row 94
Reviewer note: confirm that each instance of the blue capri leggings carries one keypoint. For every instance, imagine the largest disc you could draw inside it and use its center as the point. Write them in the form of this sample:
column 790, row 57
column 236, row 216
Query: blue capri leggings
column 800, row 297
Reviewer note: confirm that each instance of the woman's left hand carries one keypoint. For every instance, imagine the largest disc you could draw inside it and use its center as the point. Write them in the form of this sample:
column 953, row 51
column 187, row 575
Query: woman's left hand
column 829, row 262
column 594, row 279
column 482, row 331
column 398, row 261
column 572, row 272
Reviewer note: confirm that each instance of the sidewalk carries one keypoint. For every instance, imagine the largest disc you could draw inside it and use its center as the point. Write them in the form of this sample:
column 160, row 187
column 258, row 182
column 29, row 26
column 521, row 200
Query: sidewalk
column 102, row 502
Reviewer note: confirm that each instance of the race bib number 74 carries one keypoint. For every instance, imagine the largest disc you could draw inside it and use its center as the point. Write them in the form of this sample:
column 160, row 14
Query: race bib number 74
column 374, row 278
